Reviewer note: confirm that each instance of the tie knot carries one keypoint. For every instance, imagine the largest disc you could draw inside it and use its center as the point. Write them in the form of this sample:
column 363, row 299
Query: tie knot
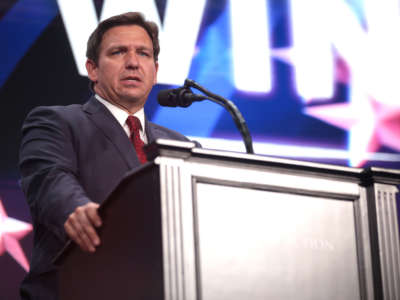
column 133, row 124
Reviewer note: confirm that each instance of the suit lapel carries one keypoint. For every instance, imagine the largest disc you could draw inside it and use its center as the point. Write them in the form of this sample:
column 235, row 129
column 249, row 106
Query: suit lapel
column 150, row 134
column 105, row 122
column 154, row 132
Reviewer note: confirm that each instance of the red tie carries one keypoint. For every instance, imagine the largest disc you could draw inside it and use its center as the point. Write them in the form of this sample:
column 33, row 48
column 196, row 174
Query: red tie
column 134, row 127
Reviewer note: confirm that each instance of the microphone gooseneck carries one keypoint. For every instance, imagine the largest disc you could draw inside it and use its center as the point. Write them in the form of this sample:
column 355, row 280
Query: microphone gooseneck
column 184, row 97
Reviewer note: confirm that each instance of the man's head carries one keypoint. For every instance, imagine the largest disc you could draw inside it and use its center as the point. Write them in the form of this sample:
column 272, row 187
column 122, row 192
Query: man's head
column 130, row 18
column 122, row 59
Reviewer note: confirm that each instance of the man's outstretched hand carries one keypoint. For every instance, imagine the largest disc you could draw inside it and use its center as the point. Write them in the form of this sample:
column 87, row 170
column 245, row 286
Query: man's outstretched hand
column 81, row 226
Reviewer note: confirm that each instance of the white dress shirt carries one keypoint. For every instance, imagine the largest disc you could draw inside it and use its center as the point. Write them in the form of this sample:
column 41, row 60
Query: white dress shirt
column 121, row 116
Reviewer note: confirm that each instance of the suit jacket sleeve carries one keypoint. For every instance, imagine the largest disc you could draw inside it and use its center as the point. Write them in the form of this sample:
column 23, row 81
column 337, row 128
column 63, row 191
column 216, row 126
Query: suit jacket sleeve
column 49, row 171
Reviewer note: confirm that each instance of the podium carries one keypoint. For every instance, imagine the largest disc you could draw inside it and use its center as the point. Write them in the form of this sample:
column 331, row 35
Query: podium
column 205, row 224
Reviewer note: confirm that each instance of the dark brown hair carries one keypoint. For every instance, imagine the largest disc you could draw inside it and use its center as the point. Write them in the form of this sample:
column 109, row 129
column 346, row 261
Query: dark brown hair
column 130, row 18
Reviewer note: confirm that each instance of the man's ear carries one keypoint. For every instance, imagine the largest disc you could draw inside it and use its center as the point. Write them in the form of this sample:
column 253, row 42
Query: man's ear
column 155, row 77
column 91, row 69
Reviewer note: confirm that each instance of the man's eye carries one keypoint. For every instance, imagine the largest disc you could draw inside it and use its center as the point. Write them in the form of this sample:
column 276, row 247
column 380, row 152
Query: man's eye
column 116, row 52
column 142, row 53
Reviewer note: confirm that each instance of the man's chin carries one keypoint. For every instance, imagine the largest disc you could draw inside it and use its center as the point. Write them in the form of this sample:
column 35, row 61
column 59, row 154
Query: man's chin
column 133, row 98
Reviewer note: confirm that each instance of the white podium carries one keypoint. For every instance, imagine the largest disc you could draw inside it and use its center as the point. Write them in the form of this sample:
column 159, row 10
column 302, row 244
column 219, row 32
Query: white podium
column 205, row 224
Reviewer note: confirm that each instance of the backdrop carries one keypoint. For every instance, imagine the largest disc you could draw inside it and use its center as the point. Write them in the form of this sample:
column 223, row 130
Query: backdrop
column 315, row 80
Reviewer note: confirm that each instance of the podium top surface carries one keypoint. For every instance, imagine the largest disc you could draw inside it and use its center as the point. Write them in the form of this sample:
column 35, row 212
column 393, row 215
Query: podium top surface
column 186, row 150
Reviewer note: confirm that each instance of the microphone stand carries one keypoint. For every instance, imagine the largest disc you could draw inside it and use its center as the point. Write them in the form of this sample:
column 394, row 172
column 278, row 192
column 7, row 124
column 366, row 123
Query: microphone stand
column 233, row 110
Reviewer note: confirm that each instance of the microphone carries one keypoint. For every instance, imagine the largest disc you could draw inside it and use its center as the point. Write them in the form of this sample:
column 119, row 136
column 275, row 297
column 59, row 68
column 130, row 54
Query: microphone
column 182, row 97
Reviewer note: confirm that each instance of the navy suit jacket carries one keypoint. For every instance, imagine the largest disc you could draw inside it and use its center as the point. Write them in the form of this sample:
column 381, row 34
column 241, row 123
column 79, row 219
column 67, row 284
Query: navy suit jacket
column 70, row 155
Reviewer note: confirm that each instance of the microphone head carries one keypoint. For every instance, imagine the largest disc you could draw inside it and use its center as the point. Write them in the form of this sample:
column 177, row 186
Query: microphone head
column 168, row 98
column 182, row 97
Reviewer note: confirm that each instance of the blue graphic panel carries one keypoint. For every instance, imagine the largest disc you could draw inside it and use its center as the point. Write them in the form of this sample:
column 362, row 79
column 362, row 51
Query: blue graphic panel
column 19, row 29
column 211, row 68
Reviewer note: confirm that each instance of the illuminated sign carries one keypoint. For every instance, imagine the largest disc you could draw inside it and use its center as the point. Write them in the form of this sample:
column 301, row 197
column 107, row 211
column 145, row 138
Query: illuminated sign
column 335, row 37
column 178, row 33
column 316, row 37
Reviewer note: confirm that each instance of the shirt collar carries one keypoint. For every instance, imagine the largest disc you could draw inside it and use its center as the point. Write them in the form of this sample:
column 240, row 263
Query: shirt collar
column 120, row 114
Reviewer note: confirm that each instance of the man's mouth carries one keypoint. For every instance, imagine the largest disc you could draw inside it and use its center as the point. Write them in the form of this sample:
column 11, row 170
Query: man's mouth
column 132, row 79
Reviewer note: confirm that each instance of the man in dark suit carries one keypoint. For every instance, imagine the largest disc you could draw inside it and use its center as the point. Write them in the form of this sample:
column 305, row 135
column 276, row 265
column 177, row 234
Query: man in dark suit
column 73, row 156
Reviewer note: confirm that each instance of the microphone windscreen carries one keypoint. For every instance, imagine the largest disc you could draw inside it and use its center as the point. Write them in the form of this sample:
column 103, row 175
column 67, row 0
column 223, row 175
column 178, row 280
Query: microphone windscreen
column 182, row 97
column 167, row 98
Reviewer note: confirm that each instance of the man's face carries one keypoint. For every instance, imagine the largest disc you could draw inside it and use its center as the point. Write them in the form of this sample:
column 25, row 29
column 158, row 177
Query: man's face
column 126, row 70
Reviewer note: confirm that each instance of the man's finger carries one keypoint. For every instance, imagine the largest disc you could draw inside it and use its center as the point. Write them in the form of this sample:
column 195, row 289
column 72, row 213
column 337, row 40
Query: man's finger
column 87, row 230
column 90, row 232
column 89, row 219
column 78, row 237
column 93, row 214
column 78, row 226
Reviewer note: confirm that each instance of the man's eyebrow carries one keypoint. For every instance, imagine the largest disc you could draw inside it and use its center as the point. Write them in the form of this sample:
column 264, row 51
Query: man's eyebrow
column 144, row 48
column 117, row 46
column 122, row 46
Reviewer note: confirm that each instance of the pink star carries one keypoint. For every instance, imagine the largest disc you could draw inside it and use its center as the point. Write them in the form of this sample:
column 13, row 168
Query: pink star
column 375, row 124
column 370, row 123
column 12, row 230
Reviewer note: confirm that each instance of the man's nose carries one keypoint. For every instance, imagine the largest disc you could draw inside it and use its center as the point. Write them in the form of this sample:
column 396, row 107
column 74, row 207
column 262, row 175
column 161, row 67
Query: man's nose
column 132, row 61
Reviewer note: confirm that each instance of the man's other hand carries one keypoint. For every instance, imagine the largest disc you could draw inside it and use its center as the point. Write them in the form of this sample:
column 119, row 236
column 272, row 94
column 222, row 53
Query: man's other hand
column 80, row 226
